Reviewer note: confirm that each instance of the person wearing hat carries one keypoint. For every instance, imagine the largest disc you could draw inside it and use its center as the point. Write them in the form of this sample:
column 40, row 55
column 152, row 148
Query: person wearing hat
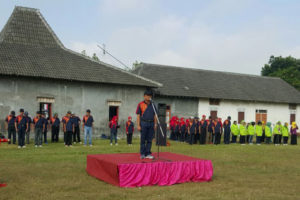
column 258, row 132
column 87, row 124
column 268, row 132
column 203, row 130
column 76, row 134
column 147, row 124
column 243, row 132
column 129, row 130
column 192, row 130
column 285, row 133
column 46, row 127
column 293, row 132
column 69, row 129
column 55, row 125
column 235, row 132
column 10, row 126
column 226, row 126
column 29, row 121
column 39, row 127
column 21, row 126
column 277, row 133
column 217, row 130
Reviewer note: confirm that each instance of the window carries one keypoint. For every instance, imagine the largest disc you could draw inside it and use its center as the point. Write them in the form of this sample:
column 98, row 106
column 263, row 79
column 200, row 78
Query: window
column 292, row 106
column 214, row 102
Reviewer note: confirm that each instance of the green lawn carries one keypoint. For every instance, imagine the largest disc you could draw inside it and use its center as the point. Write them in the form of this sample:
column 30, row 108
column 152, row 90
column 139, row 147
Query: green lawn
column 240, row 172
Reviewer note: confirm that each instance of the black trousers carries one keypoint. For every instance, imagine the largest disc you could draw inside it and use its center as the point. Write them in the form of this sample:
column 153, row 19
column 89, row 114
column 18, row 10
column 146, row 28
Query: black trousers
column 203, row 136
column 21, row 137
column 69, row 138
column 11, row 134
column 55, row 133
column 268, row 140
column 191, row 138
column 248, row 138
column 242, row 139
column 45, row 136
column 277, row 139
column 76, row 134
column 197, row 138
column 129, row 138
column 285, row 140
column 233, row 138
column 294, row 139
column 217, row 138
column 227, row 137
column 258, row 139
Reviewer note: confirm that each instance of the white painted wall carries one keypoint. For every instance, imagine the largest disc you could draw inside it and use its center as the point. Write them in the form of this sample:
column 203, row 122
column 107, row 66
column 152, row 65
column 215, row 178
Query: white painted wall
column 276, row 111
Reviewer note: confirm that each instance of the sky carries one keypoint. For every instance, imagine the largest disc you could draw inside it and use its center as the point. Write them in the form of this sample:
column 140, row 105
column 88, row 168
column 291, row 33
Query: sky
column 223, row 35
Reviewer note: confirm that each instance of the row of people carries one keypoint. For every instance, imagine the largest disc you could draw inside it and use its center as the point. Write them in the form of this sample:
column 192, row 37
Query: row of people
column 210, row 131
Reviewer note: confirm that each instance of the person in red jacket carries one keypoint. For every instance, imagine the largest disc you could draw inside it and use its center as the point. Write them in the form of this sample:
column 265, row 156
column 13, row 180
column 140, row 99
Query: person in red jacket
column 129, row 130
column 113, row 125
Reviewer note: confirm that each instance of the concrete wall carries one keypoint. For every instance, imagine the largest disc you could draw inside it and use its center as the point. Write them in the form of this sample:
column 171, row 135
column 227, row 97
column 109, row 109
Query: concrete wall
column 16, row 93
column 275, row 111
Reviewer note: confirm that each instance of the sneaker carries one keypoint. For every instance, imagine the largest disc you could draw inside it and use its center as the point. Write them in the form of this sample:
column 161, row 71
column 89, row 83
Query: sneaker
column 91, row 145
column 116, row 144
column 80, row 142
column 259, row 144
column 19, row 147
column 150, row 157
column 74, row 142
column 24, row 146
column 40, row 146
column 66, row 145
column 110, row 144
column 142, row 156
column 70, row 146
column 36, row 145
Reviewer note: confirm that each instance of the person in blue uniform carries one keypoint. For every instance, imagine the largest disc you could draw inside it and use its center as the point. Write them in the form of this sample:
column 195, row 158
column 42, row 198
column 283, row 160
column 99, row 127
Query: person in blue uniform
column 197, row 133
column 21, row 126
column 146, row 123
column 69, row 129
column 76, row 134
column 55, row 124
column 227, row 130
column 182, row 129
column 210, row 130
column 204, row 128
column 29, row 121
column 39, row 126
column 129, row 130
column 10, row 125
column 217, row 131
column 177, row 129
column 192, row 130
column 46, row 128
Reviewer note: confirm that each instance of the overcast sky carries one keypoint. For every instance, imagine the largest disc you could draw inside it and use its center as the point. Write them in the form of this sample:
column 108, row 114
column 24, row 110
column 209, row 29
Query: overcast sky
column 224, row 35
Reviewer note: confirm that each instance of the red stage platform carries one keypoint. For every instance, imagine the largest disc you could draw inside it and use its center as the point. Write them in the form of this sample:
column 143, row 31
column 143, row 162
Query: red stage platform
column 128, row 170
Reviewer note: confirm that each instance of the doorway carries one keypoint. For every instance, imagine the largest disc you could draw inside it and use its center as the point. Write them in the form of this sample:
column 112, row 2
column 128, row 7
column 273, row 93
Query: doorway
column 113, row 111
column 47, row 109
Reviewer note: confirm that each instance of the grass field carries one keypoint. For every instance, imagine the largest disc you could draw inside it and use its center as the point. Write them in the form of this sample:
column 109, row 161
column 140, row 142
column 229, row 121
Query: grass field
column 240, row 172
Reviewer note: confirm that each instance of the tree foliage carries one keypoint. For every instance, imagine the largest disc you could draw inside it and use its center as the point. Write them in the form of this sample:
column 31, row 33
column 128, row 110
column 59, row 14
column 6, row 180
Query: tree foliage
column 287, row 68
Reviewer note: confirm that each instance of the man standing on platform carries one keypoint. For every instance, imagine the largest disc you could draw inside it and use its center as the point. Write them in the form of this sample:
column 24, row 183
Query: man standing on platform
column 146, row 123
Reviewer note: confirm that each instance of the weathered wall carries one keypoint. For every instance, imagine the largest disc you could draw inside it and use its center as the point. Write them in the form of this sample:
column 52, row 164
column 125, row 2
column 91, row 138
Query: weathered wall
column 16, row 93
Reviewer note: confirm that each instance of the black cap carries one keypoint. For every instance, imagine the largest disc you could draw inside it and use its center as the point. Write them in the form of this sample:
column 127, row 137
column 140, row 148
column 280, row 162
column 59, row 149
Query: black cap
column 228, row 117
column 12, row 112
column 38, row 112
column 21, row 110
column 88, row 110
column 148, row 93
column 69, row 112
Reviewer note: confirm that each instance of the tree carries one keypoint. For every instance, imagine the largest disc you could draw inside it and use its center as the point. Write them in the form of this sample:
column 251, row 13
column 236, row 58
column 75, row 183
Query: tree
column 287, row 68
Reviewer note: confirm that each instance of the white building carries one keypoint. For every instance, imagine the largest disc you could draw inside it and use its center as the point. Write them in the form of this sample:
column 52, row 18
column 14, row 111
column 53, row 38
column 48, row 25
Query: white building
column 189, row 92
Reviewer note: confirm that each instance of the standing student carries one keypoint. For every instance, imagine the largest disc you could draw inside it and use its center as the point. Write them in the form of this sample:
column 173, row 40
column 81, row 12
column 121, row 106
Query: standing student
column 172, row 128
column 243, row 132
column 263, row 136
column 129, row 130
column 203, row 129
column 277, row 134
column 10, row 125
column 46, row 128
column 217, row 130
column 192, row 130
column 29, row 121
column 226, row 125
column 146, row 123
column 69, row 129
column 187, row 137
column 247, row 134
column 177, row 129
column 235, row 132
column 182, row 129
column 210, row 130
column 113, row 125
column 285, row 133
column 293, row 131
column 87, row 124
column 21, row 126
column 250, row 131
column 258, row 132
column 64, row 126
column 76, row 134
column 268, row 132
column 197, row 132
column 55, row 125
column 38, row 129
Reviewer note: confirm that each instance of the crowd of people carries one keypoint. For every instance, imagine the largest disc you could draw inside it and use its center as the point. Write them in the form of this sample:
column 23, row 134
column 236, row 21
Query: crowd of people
column 210, row 131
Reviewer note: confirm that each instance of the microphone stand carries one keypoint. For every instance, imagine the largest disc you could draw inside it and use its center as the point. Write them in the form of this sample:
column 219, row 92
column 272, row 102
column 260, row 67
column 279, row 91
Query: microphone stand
column 158, row 122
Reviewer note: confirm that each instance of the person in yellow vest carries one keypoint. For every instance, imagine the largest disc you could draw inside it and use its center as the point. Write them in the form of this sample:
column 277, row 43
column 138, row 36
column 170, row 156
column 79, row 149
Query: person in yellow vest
column 250, row 132
column 235, row 132
column 268, row 132
column 258, row 132
column 243, row 132
column 277, row 134
column 285, row 133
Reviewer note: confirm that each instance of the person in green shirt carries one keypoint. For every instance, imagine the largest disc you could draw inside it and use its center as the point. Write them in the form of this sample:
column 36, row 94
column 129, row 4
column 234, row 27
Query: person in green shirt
column 285, row 133
column 243, row 132
column 268, row 132
column 251, row 132
column 277, row 134
column 235, row 132
column 258, row 132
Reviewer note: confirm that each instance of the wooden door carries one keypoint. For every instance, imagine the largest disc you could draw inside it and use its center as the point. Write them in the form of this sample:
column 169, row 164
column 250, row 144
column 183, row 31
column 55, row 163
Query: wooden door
column 241, row 116
column 292, row 118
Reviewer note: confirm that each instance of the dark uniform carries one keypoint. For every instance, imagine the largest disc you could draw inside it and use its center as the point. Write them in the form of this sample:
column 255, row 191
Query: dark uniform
column 197, row 133
column 192, row 131
column 204, row 125
column 55, row 124
column 217, row 128
column 45, row 120
column 227, row 130
column 129, row 131
column 29, row 121
column 11, row 129
column 147, row 115
column 182, row 131
column 22, row 126
column 69, row 124
column 38, row 129
column 76, row 133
